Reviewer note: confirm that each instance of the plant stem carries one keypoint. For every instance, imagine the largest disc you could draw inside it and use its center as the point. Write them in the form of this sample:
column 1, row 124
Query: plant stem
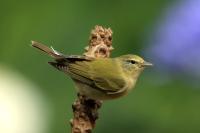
column 86, row 110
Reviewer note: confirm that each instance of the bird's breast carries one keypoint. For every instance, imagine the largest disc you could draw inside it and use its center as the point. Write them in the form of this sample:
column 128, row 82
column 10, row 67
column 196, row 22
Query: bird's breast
column 131, row 83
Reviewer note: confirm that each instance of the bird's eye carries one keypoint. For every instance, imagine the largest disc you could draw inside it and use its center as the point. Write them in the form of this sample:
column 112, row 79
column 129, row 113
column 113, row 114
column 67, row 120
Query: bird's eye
column 132, row 61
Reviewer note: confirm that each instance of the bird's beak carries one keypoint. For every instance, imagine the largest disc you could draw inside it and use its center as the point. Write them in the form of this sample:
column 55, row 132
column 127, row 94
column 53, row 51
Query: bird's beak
column 147, row 64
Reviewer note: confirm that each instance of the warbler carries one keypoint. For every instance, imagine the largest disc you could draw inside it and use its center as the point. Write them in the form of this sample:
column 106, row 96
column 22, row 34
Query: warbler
column 98, row 78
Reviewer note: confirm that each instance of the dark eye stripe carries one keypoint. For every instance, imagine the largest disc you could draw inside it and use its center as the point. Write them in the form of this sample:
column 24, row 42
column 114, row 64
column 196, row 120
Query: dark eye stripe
column 132, row 61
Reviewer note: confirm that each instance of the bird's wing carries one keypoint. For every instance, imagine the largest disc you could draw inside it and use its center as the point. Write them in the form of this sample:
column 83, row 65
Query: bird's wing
column 99, row 74
column 110, row 85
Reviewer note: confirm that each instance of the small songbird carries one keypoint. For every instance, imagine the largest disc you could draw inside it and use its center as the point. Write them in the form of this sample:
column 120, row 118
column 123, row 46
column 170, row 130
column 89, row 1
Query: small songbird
column 98, row 78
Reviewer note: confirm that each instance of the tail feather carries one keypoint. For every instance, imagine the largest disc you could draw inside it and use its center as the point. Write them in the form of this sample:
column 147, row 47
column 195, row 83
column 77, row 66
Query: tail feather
column 49, row 51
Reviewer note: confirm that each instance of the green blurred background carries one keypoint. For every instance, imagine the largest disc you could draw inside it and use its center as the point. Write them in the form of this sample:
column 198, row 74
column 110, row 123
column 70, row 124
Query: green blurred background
column 158, row 104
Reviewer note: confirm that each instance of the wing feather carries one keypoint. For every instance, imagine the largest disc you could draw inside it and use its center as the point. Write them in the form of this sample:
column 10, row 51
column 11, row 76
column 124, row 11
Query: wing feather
column 101, row 74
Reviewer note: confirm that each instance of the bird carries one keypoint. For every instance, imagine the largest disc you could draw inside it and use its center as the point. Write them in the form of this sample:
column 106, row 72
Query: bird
column 98, row 78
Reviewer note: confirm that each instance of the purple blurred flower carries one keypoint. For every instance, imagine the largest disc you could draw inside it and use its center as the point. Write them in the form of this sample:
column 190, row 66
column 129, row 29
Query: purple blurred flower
column 176, row 43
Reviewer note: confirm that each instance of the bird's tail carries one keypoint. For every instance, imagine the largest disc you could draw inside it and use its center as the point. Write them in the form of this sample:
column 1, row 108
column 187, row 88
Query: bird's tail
column 50, row 51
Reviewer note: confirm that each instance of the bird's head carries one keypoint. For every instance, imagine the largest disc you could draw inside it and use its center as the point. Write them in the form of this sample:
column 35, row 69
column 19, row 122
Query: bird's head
column 133, row 65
